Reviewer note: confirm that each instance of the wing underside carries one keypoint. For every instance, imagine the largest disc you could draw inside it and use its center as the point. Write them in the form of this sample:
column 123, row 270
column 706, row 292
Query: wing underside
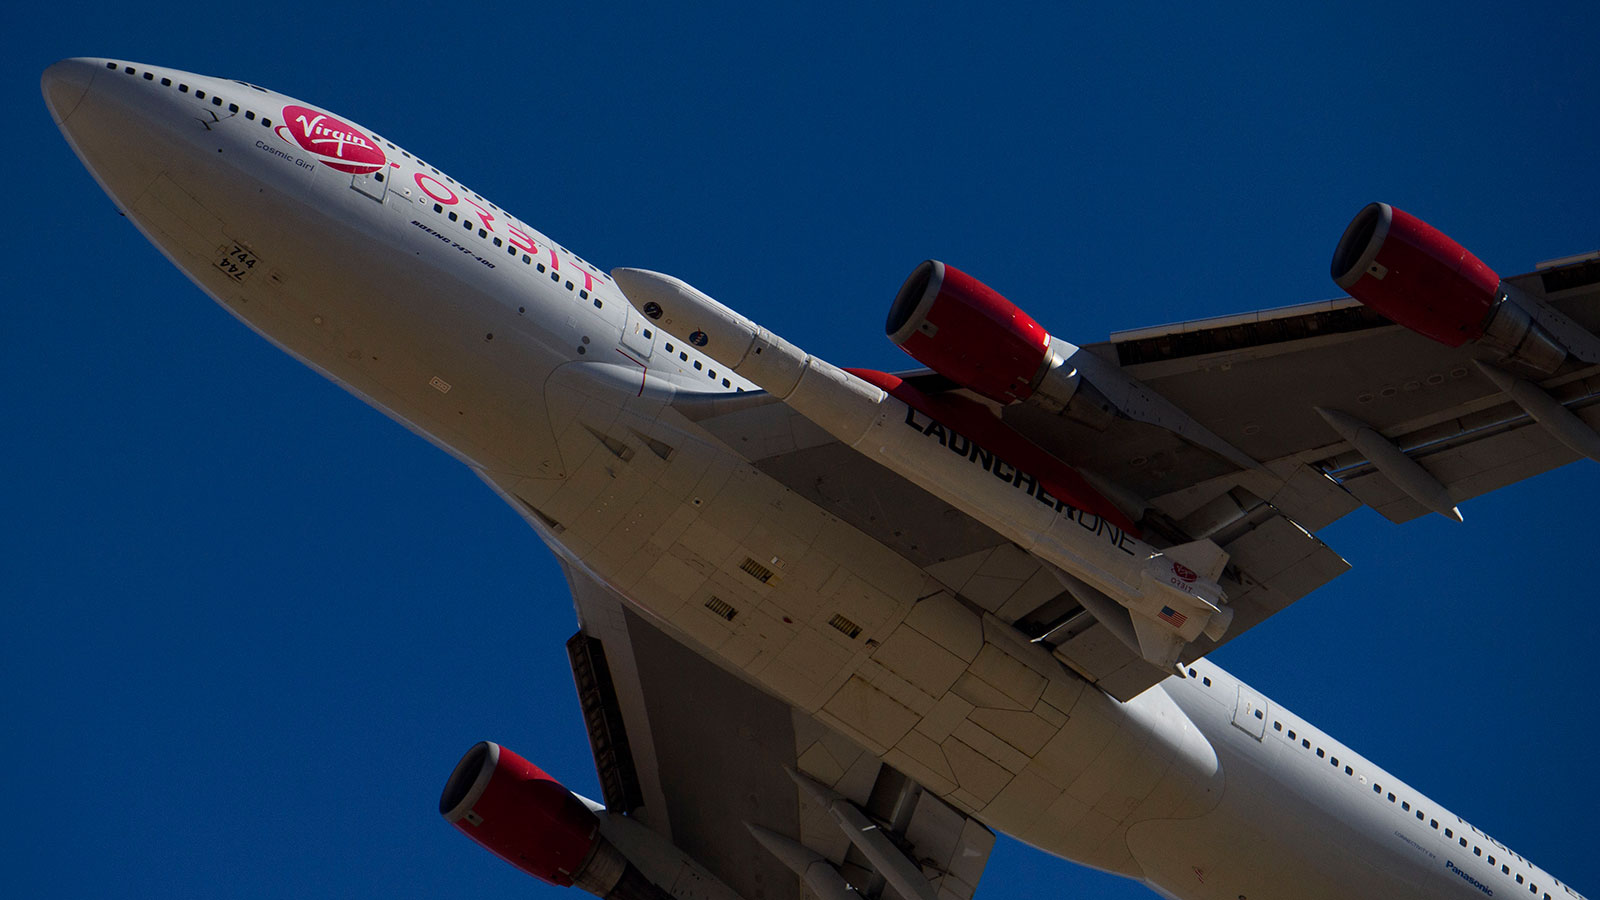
column 697, row 755
column 1272, row 384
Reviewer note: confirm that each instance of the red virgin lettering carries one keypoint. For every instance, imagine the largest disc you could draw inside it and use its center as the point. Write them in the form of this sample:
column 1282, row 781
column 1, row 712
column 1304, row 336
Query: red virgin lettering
column 450, row 198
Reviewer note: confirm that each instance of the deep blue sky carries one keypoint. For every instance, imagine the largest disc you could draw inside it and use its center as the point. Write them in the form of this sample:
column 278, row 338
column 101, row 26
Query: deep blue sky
column 250, row 624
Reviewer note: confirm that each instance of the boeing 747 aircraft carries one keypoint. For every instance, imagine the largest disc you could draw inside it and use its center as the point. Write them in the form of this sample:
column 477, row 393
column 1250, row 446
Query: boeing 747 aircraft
column 837, row 627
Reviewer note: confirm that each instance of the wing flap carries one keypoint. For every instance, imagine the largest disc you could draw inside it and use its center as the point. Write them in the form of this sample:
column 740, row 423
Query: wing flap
column 1274, row 564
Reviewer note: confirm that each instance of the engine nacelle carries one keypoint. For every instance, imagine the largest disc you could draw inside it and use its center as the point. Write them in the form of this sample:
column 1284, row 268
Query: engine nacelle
column 1414, row 275
column 520, row 814
column 1411, row 272
column 964, row 330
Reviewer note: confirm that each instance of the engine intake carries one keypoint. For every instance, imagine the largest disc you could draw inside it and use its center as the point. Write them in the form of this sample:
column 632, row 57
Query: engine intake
column 1416, row 276
column 965, row 330
column 519, row 813
column 1412, row 273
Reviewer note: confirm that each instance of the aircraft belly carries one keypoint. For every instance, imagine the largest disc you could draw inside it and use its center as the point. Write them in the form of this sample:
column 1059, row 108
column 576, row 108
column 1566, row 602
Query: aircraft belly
column 847, row 630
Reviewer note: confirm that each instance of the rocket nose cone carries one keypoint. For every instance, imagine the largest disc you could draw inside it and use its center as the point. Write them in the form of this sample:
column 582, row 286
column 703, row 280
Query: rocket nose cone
column 64, row 85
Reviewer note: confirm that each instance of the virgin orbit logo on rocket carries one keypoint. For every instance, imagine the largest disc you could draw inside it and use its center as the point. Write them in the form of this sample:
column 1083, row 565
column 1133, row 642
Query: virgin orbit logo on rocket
column 334, row 143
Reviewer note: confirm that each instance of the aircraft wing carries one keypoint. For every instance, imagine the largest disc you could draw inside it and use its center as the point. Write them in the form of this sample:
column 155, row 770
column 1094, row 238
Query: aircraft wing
column 1255, row 382
column 695, row 753
column 1258, row 380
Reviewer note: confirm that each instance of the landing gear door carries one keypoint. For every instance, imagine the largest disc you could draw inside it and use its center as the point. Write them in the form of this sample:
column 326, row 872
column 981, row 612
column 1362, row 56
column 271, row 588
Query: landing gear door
column 638, row 334
column 1250, row 715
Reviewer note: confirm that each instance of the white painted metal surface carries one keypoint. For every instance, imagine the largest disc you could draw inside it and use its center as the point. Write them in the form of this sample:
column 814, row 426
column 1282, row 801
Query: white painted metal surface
column 431, row 285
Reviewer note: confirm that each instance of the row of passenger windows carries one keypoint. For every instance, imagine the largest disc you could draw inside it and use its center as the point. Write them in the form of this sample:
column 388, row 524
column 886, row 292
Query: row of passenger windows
column 198, row 94
column 1305, row 744
column 483, row 233
column 466, row 223
column 513, row 251
column 251, row 115
column 683, row 356
column 469, row 225
column 1405, row 805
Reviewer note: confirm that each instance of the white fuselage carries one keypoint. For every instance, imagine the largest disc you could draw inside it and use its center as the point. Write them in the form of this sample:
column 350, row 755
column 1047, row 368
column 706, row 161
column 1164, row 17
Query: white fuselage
column 528, row 364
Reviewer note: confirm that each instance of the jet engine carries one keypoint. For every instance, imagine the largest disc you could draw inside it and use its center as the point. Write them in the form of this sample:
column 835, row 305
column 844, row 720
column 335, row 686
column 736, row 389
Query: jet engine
column 522, row 815
column 1414, row 275
column 966, row 331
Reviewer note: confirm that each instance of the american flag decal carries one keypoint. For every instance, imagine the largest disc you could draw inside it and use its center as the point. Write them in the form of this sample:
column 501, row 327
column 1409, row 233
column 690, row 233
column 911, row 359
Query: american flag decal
column 1172, row 617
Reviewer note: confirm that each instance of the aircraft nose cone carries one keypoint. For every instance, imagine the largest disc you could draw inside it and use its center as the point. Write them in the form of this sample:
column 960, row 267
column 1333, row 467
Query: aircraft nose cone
column 65, row 83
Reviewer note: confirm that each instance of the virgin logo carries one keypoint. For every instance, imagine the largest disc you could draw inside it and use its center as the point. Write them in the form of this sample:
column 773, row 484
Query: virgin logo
column 1183, row 572
column 334, row 143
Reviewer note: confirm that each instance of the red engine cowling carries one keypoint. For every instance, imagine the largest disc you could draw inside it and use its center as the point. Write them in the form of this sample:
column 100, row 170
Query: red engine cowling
column 515, row 810
column 1411, row 272
column 964, row 330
